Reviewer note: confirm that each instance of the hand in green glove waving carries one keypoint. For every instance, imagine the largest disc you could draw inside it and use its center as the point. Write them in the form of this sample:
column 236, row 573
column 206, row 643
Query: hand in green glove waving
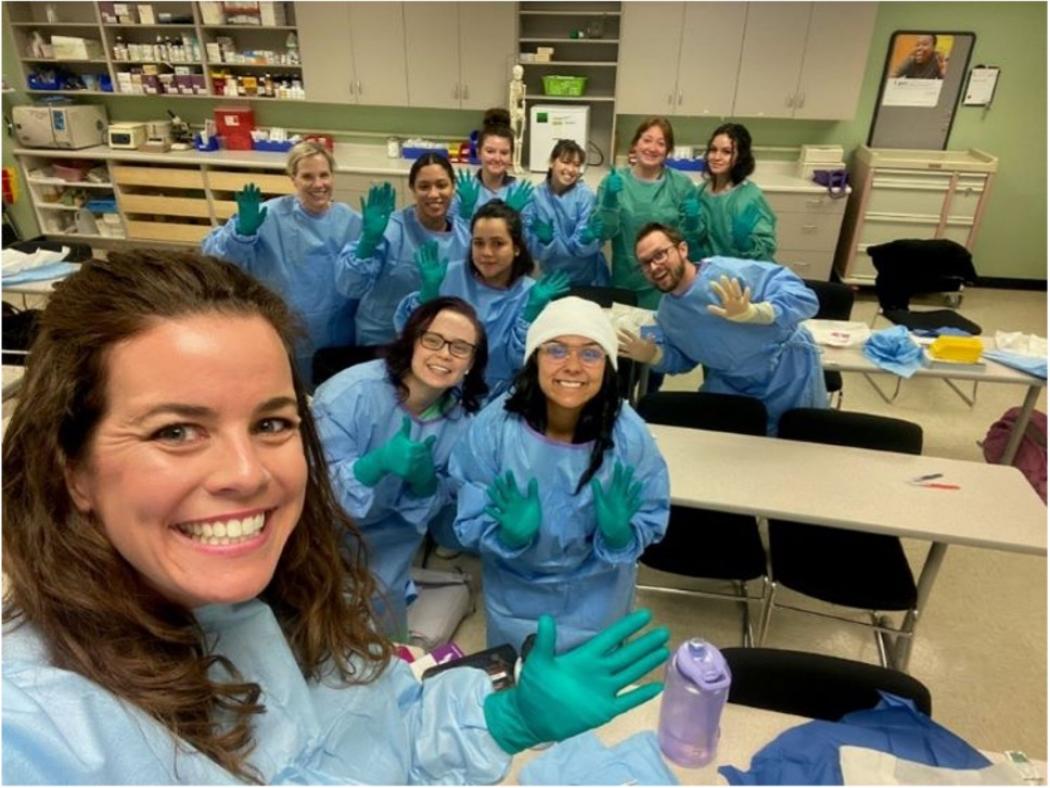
column 593, row 230
column 613, row 187
column 375, row 213
column 549, row 286
column 401, row 456
column 519, row 195
column 561, row 696
column 432, row 270
column 544, row 231
column 250, row 215
column 616, row 505
column 519, row 516
column 468, row 187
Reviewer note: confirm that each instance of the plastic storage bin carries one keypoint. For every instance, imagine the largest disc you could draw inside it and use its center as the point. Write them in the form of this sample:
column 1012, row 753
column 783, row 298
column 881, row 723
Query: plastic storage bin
column 689, row 165
column 564, row 86
column 273, row 146
column 71, row 171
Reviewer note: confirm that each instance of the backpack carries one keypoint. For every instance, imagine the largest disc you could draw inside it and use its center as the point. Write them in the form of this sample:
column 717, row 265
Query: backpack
column 1031, row 453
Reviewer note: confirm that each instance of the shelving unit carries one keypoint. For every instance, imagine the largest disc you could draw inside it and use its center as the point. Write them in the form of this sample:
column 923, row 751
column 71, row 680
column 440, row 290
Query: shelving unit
column 163, row 77
column 593, row 54
column 57, row 200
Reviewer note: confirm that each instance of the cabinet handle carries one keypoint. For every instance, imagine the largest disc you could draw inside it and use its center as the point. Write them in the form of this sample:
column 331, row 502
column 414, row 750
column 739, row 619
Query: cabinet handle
column 359, row 91
column 455, row 91
column 789, row 101
column 679, row 99
column 353, row 90
column 809, row 228
column 815, row 203
column 466, row 91
column 801, row 101
column 670, row 99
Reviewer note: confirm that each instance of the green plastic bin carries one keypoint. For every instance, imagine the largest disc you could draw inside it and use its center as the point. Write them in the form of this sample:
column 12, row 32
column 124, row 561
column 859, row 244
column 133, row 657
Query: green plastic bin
column 564, row 86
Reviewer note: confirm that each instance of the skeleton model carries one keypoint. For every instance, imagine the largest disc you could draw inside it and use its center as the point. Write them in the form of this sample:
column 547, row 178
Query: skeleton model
column 516, row 107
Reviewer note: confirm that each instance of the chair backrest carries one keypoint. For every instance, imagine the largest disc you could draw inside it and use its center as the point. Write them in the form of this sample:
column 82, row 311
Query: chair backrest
column 843, row 428
column 835, row 298
column 814, row 685
column 913, row 266
column 701, row 410
column 605, row 296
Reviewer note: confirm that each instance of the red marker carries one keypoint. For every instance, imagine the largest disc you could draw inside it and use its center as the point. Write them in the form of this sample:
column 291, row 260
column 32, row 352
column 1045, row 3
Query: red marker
column 941, row 486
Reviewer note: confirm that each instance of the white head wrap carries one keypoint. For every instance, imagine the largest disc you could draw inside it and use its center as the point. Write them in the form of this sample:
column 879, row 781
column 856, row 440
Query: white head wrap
column 572, row 316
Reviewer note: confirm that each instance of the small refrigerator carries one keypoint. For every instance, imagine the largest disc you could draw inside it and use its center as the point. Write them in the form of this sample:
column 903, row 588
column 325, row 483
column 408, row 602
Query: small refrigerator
column 549, row 123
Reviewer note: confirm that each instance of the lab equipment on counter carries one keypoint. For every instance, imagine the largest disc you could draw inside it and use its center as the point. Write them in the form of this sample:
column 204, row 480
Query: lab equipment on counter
column 71, row 126
column 696, row 688
column 127, row 136
column 549, row 123
column 235, row 125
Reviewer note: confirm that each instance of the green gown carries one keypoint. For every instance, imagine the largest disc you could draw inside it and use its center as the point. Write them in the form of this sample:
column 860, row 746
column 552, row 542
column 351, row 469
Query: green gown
column 739, row 223
column 641, row 202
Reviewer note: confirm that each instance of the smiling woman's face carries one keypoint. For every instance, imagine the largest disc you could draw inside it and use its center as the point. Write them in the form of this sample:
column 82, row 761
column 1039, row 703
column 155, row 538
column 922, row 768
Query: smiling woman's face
column 197, row 472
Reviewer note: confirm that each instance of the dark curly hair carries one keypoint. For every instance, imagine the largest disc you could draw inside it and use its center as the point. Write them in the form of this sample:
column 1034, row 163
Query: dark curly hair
column 497, row 209
column 425, row 161
column 745, row 159
column 398, row 354
column 596, row 421
column 496, row 123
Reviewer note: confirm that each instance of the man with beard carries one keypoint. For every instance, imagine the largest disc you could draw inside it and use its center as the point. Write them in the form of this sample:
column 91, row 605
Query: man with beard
column 740, row 319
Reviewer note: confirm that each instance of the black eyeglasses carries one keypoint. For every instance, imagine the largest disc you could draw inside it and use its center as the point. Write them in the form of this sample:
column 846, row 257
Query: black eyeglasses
column 459, row 348
column 657, row 257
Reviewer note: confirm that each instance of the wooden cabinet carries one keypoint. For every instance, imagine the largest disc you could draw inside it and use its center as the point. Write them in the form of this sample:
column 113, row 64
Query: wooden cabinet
column 458, row 55
column 911, row 194
column 647, row 74
column 377, row 35
column 327, row 55
column 803, row 60
column 712, row 35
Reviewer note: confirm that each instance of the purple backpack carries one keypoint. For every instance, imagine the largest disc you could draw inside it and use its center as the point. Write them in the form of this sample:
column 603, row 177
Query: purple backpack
column 1031, row 453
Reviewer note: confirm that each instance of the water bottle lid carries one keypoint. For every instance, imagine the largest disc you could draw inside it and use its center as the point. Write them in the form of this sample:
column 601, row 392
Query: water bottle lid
column 703, row 664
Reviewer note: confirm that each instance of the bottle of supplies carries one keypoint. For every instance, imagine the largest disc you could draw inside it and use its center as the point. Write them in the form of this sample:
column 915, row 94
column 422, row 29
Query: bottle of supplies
column 695, row 691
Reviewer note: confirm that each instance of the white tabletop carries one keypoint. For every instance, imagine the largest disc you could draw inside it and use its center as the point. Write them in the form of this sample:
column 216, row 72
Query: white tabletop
column 859, row 489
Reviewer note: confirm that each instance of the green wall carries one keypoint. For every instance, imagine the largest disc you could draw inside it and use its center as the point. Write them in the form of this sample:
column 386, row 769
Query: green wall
column 1013, row 240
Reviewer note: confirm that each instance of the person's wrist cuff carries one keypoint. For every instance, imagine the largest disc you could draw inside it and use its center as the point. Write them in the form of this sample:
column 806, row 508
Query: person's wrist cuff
column 504, row 722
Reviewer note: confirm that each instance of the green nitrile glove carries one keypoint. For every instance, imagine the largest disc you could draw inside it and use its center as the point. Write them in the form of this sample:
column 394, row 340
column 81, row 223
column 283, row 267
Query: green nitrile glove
column 613, row 187
column 549, row 287
column 432, row 270
column 744, row 227
column 544, row 231
column 519, row 195
column 616, row 505
column 468, row 187
column 422, row 477
column 561, row 696
column 519, row 516
column 375, row 213
column 249, row 214
column 691, row 213
column 400, row 456
column 593, row 230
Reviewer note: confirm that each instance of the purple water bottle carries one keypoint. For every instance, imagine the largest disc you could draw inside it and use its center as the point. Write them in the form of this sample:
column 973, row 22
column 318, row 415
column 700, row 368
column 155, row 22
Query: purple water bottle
column 695, row 691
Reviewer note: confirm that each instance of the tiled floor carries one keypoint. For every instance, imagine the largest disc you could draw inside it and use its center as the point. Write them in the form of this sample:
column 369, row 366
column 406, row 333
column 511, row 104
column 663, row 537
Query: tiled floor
column 981, row 646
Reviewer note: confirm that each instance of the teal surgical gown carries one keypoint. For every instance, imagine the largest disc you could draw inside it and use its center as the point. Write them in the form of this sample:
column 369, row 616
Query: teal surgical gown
column 499, row 312
column 357, row 411
column 295, row 253
column 567, row 570
column 390, row 273
column 778, row 363
column 60, row 728
column 641, row 202
column 567, row 213
column 738, row 222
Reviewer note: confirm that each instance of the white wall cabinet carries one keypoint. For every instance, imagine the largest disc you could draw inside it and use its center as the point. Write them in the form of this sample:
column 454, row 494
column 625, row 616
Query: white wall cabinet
column 911, row 194
column 458, row 55
column 803, row 60
column 807, row 231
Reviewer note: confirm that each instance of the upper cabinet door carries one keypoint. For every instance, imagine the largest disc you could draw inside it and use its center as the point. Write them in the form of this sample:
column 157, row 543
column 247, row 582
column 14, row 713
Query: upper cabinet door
column 712, row 38
column 488, row 45
column 774, row 41
column 378, row 34
column 647, row 75
column 835, row 59
column 328, row 64
column 432, row 52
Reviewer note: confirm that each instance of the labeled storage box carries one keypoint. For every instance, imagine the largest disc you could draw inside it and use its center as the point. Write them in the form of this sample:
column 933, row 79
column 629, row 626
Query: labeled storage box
column 74, row 48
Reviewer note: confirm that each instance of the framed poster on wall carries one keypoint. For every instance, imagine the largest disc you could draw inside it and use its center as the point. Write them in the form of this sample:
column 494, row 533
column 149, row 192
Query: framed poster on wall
column 921, row 82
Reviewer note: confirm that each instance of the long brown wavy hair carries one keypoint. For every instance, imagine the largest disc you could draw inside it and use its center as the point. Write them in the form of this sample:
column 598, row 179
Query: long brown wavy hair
column 97, row 615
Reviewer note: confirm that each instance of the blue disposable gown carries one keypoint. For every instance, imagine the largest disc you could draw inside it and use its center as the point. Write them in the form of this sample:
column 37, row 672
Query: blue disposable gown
column 357, row 411
column 382, row 280
column 778, row 364
column 499, row 312
column 641, row 202
column 295, row 253
column 738, row 223
column 568, row 214
column 61, row 728
column 567, row 570
column 485, row 194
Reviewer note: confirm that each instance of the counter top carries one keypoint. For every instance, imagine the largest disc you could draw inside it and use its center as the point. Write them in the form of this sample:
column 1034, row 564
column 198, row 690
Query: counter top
column 361, row 159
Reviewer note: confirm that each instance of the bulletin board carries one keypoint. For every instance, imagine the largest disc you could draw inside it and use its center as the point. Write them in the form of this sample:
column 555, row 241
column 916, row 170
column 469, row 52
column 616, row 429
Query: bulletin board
column 921, row 83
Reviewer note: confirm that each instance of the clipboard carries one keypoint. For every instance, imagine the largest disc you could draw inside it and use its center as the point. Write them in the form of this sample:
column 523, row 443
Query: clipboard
column 980, row 88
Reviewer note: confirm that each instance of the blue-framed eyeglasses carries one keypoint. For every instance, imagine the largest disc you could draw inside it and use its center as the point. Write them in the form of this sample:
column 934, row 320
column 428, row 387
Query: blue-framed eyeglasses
column 589, row 355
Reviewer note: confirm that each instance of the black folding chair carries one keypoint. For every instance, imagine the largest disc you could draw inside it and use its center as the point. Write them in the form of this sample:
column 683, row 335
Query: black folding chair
column 836, row 303
column 702, row 543
column 851, row 569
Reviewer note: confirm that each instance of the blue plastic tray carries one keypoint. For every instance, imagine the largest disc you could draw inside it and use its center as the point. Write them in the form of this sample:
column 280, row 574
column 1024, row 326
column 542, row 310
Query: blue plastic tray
column 275, row 146
column 689, row 165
